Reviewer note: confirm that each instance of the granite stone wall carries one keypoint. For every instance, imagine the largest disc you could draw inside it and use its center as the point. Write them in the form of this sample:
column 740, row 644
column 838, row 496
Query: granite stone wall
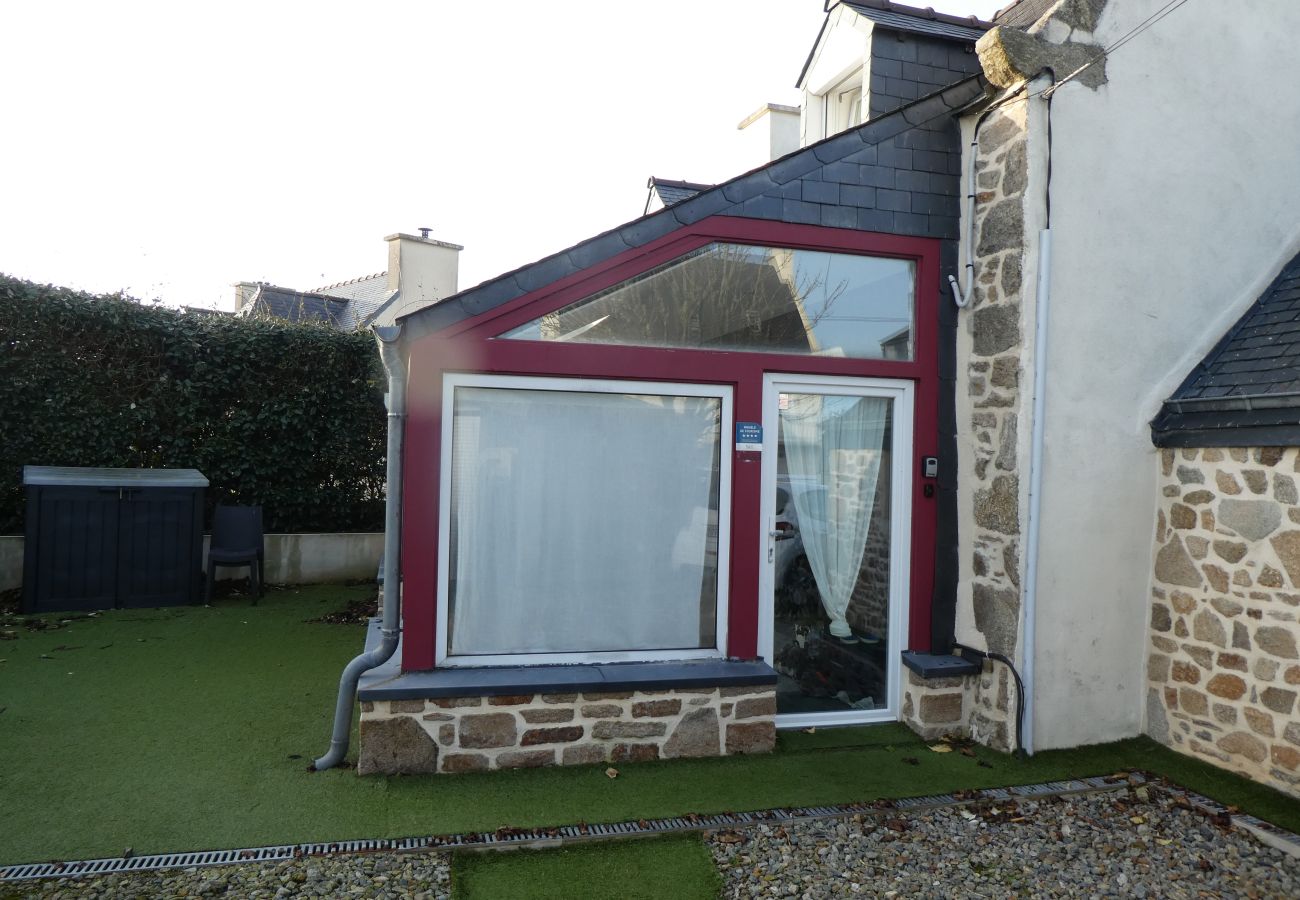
column 994, row 410
column 473, row 734
column 936, row 706
column 1223, row 665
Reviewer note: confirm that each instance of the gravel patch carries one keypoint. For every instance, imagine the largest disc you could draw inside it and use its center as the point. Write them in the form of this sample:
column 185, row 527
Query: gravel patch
column 1135, row 844
column 379, row 875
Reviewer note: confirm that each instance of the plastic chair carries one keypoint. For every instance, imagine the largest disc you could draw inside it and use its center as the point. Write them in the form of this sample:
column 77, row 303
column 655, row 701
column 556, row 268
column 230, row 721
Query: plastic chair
column 237, row 541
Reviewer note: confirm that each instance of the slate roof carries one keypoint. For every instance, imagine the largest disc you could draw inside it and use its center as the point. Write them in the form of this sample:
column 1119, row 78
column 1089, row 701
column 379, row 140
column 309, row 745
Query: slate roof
column 367, row 294
column 300, row 306
column 903, row 18
column 1246, row 392
column 671, row 192
column 898, row 173
column 920, row 21
column 1023, row 13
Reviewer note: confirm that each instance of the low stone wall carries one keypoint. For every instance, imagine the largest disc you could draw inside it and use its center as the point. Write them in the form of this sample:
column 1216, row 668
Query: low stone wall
column 290, row 559
column 472, row 734
column 1223, row 667
column 935, row 707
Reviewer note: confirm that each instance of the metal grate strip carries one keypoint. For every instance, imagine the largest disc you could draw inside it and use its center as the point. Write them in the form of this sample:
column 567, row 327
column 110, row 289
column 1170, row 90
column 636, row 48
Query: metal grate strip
column 581, row 832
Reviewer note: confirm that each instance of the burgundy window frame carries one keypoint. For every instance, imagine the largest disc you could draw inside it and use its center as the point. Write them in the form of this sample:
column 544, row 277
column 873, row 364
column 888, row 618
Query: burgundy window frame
column 474, row 346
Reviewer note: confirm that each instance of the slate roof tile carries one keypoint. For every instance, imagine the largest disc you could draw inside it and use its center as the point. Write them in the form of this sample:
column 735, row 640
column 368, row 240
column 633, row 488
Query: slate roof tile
column 1253, row 365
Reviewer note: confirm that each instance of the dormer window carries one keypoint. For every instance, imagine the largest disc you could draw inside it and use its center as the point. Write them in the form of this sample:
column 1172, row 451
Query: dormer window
column 842, row 105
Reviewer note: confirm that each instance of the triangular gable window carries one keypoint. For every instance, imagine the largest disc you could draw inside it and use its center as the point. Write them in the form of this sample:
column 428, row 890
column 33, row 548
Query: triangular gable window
column 740, row 297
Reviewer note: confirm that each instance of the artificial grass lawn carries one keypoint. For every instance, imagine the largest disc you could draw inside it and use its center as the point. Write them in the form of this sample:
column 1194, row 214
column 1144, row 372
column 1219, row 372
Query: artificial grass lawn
column 679, row 867
column 192, row 728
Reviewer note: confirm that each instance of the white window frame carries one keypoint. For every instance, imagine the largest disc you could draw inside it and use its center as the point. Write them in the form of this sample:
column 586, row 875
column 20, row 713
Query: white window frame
column 721, row 392
column 902, row 393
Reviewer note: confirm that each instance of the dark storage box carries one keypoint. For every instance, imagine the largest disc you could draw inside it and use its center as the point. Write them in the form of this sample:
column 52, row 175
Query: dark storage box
column 100, row 538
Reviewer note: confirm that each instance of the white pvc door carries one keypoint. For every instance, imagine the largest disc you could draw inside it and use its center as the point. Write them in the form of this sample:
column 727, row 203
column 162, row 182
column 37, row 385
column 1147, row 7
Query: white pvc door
column 837, row 470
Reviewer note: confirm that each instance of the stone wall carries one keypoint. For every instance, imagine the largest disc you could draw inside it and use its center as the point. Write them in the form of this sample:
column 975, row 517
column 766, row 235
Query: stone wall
column 868, row 611
column 934, row 707
column 994, row 410
column 1223, row 668
column 472, row 734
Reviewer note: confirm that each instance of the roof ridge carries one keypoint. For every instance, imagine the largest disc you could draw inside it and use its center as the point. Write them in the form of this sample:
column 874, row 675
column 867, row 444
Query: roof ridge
column 928, row 12
column 359, row 278
column 655, row 181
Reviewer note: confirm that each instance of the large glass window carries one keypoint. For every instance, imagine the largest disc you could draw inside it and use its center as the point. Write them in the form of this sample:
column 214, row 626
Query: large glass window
column 584, row 520
column 740, row 297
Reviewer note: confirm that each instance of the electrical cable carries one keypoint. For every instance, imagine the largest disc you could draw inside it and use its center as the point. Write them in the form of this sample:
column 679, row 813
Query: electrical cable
column 971, row 653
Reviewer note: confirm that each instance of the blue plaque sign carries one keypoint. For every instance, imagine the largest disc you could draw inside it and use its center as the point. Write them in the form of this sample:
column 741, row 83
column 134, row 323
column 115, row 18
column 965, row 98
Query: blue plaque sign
column 749, row 436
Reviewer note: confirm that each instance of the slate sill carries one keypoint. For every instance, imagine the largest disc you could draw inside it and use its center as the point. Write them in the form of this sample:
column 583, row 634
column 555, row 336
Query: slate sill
column 389, row 682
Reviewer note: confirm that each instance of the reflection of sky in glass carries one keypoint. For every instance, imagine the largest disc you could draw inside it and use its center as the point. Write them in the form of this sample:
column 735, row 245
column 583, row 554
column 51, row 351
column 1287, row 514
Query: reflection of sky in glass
column 856, row 304
column 740, row 297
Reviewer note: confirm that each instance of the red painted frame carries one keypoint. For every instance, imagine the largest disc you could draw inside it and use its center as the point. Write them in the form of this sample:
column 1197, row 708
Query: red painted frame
column 468, row 347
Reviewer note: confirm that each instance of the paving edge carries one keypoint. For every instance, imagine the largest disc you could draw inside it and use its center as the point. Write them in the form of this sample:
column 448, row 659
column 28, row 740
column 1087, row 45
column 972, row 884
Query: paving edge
column 538, row 838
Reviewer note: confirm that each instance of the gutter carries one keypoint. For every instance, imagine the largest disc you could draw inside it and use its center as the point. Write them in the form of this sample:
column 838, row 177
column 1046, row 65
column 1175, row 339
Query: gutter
column 390, row 626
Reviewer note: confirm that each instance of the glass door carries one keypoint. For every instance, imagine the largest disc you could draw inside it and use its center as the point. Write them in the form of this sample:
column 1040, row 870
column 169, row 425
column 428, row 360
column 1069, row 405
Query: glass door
column 837, row 470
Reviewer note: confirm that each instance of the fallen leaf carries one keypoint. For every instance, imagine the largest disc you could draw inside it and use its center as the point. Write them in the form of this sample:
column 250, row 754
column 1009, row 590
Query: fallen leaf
column 729, row 837
column 810, row 731
column 967, row 751
column 941, row 748
column 1164, row 842
column 895, row 824
column 1137, row 820
column 911, row 760
column 611, row 772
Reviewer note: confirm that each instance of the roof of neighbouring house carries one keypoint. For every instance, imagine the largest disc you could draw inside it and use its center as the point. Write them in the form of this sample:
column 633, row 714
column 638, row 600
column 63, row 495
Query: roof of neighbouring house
column 919, row 21
column 1023, row 13
column 1247, row 389
column 367, row 294
column 300, row 306
column 670, row 192
column 755, row 194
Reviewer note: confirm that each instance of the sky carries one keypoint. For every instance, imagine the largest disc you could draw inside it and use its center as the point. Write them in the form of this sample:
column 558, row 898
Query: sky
column 171, row 149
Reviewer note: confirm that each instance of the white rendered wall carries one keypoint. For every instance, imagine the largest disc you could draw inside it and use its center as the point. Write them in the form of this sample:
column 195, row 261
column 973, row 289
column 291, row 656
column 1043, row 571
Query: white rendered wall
column 1173, row 204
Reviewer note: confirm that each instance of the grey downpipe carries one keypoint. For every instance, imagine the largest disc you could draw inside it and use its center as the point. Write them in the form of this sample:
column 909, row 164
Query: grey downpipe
column 390, row 624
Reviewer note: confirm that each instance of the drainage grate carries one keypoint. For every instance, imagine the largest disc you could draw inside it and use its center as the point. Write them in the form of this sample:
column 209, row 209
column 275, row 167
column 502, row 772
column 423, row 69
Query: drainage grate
column 509, row 837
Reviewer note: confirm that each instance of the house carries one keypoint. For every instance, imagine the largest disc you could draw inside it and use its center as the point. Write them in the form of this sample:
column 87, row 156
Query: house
column 976, row 412
column 421, row 271
column 614, row 431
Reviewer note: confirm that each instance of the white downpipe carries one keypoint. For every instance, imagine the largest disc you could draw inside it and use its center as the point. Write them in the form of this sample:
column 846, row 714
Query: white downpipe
column 1030, row 600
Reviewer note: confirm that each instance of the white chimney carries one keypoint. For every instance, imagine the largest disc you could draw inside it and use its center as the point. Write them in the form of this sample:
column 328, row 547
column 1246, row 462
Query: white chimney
column 769, row 132
column 245, row 291
column 422, row 269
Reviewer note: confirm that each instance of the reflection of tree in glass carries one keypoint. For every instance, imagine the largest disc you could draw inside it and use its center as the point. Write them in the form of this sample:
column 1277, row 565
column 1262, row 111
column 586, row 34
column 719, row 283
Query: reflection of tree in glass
column 726, row 296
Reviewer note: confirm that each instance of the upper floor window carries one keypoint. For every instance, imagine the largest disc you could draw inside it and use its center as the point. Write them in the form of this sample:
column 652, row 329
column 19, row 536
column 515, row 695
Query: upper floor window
column 761, row 299
column 842, row 105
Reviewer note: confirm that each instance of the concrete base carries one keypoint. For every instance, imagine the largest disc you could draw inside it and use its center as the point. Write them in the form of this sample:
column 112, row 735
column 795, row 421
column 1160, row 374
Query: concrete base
column 290, row 559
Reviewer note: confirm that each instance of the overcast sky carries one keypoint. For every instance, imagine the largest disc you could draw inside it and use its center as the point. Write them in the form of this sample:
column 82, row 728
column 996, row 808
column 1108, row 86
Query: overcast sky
column 171, row 149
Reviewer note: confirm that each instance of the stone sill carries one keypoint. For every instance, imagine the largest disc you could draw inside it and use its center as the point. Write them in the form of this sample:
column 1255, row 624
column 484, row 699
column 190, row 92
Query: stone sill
column 389, row 682
column 934, row 665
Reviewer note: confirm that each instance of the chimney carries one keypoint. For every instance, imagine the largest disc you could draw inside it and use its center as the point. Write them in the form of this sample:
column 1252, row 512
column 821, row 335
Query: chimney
column 770, row 132
column 422, row 268
column 245, row 291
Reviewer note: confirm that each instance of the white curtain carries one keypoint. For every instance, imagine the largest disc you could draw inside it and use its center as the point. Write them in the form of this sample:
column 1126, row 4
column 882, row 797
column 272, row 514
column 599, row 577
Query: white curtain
column 581, row 521
column 833, row 449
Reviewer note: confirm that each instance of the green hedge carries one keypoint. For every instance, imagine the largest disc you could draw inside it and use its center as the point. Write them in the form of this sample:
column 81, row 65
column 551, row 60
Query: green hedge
column 288, row 416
